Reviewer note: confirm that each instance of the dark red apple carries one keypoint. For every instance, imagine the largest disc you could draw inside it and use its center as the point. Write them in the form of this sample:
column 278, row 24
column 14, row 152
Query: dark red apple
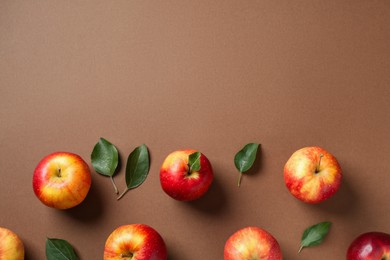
column 179, row 182
column 370, row 246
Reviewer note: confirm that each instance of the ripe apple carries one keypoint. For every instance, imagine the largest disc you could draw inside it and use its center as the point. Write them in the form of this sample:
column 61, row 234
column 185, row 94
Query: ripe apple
column 135, row 241
column 312, row 174
column 179, row 182
column 252, row 243
column 370, row 246
column 61, row 180
column 11, row 247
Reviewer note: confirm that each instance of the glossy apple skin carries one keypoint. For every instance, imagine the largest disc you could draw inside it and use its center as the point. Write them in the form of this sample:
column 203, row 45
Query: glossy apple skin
column 370, row 246
column 61, row 180
column 180, row 185
column 11, row 247
column 252, row 243
column 309, row 182
column 137, row 241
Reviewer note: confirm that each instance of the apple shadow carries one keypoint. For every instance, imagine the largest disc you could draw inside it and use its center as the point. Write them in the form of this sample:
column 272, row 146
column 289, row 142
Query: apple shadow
column 29, row 250
column 91, row 209
column 344, row 202
column 213, row 202
column 173, row 253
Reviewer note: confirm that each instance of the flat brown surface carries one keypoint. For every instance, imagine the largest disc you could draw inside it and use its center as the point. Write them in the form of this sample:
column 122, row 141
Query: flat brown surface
column 208, row 75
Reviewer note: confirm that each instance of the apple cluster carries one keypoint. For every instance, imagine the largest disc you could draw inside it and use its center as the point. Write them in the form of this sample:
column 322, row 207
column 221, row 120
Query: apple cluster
column 62, row 180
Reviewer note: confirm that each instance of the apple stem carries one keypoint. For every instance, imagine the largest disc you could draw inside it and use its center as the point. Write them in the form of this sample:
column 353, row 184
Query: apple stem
column 123, row 193
column 127, row 255
column 239, row 180
column 319, row 163
column 113, row 184
column 59, row 172
column 300, row 249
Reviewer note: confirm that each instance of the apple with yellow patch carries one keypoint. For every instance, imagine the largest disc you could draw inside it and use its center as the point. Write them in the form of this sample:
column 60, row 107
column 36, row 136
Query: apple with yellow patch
column 11, row 246
column 135, row 242
column 179, row 181
column 252, row 243
column 61, row 180
column 312, row 174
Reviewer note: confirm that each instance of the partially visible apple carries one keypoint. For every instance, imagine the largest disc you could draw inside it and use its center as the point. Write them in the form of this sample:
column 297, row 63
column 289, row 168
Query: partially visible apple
column 252, row 243
column 11, row 247
column 61, row 180
column 312, row 174
column 370, row 246
column 136, row 242
column 179, row 182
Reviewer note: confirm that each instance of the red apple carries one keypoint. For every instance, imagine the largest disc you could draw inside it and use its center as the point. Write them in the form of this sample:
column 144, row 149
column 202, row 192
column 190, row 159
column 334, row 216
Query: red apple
column 370, row 246
column 252, row 243
column 179, row 182
column 312, row 174
column 136, row 242
column 11, row 247
column 61, row 180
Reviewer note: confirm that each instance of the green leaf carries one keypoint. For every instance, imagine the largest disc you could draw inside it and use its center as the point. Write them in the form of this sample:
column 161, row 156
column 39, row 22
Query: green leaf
column 314, row 235
column 194, row 161
column 137, row 168
column 59, row 249
column 245, row 158
column 104, row 158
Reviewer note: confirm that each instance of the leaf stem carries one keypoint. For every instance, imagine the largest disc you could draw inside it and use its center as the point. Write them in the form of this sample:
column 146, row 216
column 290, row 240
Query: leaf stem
column 123, row 193
column 319, row 163
column 113, row 184
column 239, row 180
column 300, row 249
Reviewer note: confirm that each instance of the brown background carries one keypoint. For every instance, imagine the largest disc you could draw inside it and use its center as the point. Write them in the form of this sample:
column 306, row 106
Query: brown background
column 209, row 75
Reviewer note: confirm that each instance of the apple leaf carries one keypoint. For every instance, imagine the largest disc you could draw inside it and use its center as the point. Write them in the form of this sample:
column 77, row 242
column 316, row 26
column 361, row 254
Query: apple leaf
column 314, row 235
column 137, row 168
column 194, row 162
column 245, row 158
column 104, row 159
column 59, row 249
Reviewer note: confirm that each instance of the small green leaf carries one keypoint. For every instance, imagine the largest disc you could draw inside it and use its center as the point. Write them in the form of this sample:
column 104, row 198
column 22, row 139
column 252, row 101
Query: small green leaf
column 194, row 162
column 59, row 249
column 245, row 158
column 137, row 168
column 104, row 158
column 314, row 235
